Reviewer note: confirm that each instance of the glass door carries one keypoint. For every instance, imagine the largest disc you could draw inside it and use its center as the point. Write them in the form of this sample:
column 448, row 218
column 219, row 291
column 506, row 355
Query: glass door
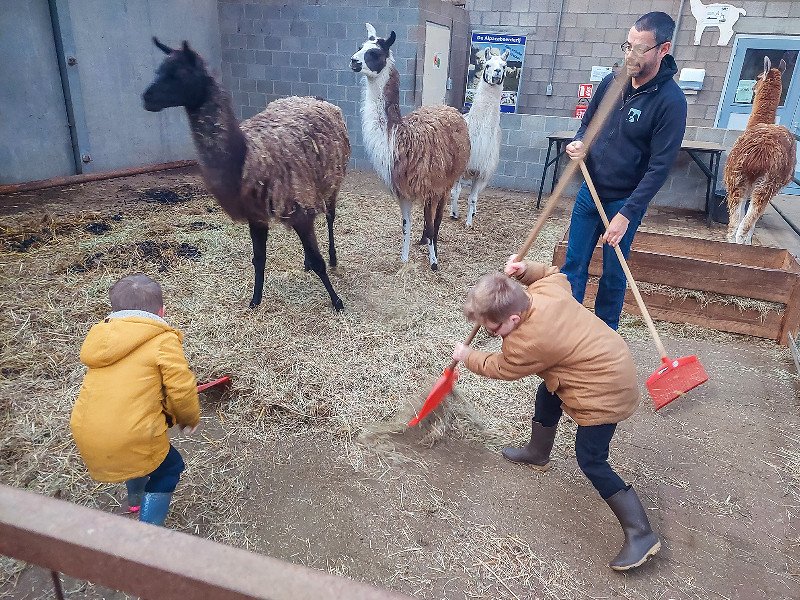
column 747, row 61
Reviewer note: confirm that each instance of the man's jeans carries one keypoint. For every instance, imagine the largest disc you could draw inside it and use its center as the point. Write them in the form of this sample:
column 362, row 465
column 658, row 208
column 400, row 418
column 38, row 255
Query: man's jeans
column 585, row 228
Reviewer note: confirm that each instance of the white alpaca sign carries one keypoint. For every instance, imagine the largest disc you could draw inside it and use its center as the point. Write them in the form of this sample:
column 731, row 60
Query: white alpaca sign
column 722, row 16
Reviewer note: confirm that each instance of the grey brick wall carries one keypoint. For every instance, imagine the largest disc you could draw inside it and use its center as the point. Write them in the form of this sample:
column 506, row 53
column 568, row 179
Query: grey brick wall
column 276, row 48
column 591, row 32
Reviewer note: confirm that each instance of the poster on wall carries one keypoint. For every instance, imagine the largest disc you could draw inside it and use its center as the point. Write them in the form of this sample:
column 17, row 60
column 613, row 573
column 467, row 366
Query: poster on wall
column 498, row 42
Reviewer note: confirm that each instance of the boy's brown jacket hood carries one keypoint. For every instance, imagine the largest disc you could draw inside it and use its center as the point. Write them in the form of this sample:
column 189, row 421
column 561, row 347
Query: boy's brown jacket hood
column 579, row 357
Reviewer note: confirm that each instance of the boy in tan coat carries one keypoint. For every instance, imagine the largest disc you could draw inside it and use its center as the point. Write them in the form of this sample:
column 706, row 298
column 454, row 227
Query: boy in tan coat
column 138, row 385
column 588, row 372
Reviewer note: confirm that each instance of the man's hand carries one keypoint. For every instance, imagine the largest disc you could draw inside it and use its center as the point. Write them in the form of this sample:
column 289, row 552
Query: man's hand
column 616, row 230
column 575, row 150
column 460, row 352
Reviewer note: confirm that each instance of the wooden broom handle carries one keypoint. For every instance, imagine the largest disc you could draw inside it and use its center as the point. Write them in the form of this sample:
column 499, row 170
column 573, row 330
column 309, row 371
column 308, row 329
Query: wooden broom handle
column 598, row 120
column 624, row 263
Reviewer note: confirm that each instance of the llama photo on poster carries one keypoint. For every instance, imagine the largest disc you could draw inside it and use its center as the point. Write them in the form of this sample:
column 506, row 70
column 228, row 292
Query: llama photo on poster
column 496, row 43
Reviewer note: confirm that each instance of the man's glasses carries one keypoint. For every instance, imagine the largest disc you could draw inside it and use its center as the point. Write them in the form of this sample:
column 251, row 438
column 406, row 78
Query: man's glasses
column 637, row 50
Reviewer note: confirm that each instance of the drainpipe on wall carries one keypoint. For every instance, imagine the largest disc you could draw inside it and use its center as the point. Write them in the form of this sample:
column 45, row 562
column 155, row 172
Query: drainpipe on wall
column 555, row 50
column 677, row 28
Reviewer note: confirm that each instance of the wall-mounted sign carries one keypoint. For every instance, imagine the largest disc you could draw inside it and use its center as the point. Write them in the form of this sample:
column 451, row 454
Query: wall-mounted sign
column 599, row 73
column 499, row 43
column 745, row 91
column 585, row 90
column 580, row 108
column 722, row 16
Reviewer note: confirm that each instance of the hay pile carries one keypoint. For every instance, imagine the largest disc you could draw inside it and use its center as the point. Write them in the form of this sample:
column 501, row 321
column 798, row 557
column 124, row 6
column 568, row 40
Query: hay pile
column 296, row 365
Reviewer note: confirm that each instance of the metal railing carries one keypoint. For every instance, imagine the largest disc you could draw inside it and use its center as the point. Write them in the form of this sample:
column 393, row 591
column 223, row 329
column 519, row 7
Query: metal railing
column 154, row 562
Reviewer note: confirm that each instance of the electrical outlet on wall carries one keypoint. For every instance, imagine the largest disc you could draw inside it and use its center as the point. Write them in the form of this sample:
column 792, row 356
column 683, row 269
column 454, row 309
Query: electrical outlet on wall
column 449, row 83
column 549, row 91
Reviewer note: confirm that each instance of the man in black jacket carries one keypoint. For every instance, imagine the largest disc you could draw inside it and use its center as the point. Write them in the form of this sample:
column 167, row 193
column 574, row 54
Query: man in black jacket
column 628, row 161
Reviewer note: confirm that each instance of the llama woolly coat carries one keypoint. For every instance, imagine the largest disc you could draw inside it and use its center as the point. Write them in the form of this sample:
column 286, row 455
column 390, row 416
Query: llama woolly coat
column 296, row 156
column 138, row 378
column 579, row 357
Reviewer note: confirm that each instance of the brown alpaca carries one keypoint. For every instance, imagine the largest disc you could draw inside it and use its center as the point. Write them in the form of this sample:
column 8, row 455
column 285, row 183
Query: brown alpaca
column 419, row 156
column 761, row 161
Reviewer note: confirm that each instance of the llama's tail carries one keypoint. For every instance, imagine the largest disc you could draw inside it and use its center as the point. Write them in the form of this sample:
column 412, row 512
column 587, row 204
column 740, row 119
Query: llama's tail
column 742, row 11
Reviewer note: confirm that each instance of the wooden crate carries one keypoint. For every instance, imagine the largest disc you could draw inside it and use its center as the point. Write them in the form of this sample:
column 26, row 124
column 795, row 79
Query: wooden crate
column 760, row 273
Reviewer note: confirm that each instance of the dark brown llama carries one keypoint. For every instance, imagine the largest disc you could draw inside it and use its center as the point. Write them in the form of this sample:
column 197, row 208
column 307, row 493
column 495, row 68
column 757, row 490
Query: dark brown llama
column 761, row 161
column 285, row 163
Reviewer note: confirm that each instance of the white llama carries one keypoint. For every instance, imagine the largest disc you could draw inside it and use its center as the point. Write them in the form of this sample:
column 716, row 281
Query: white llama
column 420, row 155
column 715, row 15
column 483, row 121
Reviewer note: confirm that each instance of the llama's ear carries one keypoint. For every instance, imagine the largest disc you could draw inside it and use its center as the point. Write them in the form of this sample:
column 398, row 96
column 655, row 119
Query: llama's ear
column 371, row 33
column 390, row 40
column 782, row 66
column 191, row 55
column 505, row 54
column 767, row 64
column 487, row 53
column 163, row 47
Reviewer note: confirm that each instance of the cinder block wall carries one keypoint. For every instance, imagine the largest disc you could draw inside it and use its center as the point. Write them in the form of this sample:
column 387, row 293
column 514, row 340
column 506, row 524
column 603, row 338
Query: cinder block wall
column 275, row 48
column 591, row 32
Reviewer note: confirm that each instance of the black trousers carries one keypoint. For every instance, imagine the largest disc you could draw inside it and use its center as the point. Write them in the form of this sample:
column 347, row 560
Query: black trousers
column 591, row 444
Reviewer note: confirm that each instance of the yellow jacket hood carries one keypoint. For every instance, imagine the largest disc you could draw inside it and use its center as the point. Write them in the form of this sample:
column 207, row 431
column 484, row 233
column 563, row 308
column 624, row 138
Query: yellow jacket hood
column 120, row 334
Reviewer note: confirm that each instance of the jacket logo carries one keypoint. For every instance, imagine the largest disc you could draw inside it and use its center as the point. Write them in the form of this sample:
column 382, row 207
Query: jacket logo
column 633, row 115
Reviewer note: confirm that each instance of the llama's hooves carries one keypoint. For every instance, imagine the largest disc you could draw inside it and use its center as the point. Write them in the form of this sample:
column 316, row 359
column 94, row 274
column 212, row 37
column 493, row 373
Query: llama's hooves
column 434, row 266
column 254, row 304
column 338, row 305
column 454, row 216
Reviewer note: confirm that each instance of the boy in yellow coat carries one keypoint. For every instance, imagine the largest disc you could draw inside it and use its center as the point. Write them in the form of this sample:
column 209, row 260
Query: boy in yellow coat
column 588, row 372
column 137, row 386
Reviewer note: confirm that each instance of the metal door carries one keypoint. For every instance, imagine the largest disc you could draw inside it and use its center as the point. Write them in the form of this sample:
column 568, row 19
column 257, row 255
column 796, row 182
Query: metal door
column 437, row 64
column 35, row 139
column 116, row 61
column 747, row 61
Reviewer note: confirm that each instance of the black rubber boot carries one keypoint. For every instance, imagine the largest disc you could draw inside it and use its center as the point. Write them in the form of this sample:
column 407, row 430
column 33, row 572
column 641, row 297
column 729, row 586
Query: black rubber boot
column 640, row 541
column 535, row 453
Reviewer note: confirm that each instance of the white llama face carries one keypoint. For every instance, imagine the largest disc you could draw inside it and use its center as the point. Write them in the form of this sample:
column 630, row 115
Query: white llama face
column 372, row 56
column 494, row 67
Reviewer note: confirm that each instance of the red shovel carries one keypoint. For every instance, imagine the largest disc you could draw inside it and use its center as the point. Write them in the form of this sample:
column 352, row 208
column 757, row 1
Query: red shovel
column 204, row 386
column 674, row 377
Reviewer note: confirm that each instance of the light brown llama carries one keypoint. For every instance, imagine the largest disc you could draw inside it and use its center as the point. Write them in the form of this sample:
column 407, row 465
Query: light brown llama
column 761, row 161
column 286, row 163
column 420, row 156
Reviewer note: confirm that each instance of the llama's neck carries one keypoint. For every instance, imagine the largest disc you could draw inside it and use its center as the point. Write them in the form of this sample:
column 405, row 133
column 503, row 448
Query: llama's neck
column 765, row 105
column 485, row 109
column 221, row 145
column 380, row 116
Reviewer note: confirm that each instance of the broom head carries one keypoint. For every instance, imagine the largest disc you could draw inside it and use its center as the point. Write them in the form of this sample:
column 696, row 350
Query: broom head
column 440, row 390
column 674, row 378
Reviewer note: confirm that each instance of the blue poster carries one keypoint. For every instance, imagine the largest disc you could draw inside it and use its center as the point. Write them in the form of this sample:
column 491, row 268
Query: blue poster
column 499, row 43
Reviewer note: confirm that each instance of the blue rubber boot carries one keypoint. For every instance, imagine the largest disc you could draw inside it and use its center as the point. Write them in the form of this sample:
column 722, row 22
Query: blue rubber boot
column 135, row 492
column 155, row 508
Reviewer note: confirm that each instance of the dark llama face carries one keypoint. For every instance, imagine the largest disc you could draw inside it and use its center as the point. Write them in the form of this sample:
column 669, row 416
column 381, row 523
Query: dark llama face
column 181, row 80
column 371, row 58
